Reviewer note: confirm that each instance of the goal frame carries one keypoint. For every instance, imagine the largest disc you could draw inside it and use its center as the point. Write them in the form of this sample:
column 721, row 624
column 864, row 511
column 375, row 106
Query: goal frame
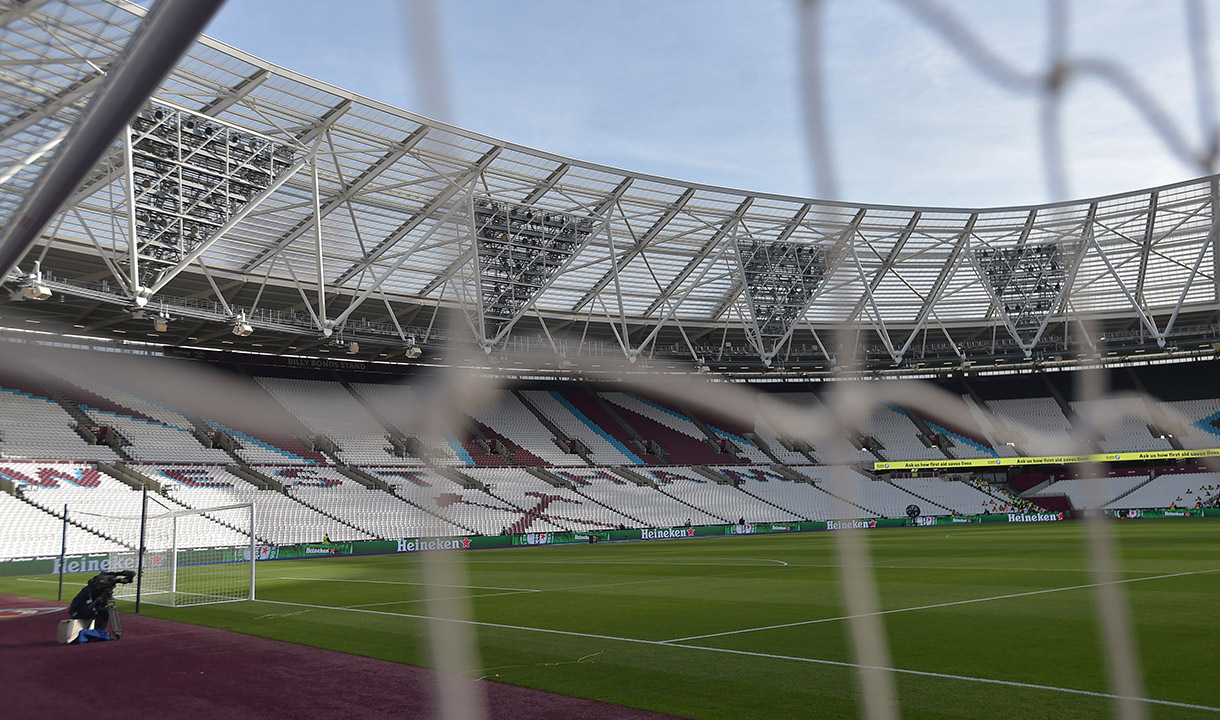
column 175, row 550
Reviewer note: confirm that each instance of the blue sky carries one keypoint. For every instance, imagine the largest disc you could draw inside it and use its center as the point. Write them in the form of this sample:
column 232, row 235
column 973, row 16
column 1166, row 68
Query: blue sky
column 708, row 90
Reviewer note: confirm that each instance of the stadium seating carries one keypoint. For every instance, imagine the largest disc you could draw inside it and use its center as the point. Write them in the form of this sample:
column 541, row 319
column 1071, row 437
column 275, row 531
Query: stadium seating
column 28, row 531
column 467, row 509
column 279, row 518
column 1038, row 413
column 953, row 495
column 506, row 416
column 823, row 450
column 684, row 442
column 400, row 405
column 36, row 428
column 720, row 501
column 106, row 506
column 898, row 435
column 1092, row 492
column 1181, row 490
column 645, row 505
column 327, row 408
column 545, row 506
column 606, row 449
column 1130, row 420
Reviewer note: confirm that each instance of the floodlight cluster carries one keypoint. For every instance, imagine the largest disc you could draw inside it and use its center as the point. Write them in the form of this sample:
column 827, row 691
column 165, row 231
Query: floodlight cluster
column 190, row 176
column 519, row 249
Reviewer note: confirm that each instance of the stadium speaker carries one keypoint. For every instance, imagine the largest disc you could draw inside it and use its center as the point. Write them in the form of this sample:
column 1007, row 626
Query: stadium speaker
column 912, row 511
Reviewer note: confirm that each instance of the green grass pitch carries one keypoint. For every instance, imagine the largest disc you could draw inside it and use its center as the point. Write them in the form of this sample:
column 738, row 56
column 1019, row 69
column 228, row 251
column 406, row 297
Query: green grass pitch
column 964, row 605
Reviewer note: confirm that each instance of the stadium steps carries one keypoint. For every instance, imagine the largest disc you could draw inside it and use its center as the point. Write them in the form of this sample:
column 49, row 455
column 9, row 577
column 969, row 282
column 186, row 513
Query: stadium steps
column 60, row 514
column 763, row 446
column 611, row 508
column 641, row 445
column 792, row 475
column 908, row 491
column 712, row 475
column 256, row 478
column 549, row 478
column 461, row 479
column 364, row 478
column 336, row 518
column 925, row 432
column 375, row 483
column 633, row 476
column 129, row 477
column 781, row 507
column 709, row 436
column 113, row 439
column 818, row 486
column 693, row 506
column 560, row 438
column 1151, row 476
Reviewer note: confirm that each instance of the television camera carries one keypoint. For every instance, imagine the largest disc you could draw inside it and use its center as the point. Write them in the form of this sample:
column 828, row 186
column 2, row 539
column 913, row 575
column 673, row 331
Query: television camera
column 96, row 600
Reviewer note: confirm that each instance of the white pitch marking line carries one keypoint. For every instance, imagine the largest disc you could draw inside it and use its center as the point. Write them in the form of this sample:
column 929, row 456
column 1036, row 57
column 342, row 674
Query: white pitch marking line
column 815, row 661
column 447, row 597
column 786, row 564
column 398, row 582
column 938, row 605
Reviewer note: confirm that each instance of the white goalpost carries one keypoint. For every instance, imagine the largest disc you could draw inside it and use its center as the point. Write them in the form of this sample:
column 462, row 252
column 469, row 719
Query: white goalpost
column 186, row 557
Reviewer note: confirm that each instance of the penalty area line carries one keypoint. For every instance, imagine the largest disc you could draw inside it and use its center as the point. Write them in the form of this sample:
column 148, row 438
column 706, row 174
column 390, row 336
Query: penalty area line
column 934, row 606
column 771, row 656
column 399, row 582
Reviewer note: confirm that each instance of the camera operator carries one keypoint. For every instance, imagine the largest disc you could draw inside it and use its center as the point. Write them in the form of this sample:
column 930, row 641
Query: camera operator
column 95, row 600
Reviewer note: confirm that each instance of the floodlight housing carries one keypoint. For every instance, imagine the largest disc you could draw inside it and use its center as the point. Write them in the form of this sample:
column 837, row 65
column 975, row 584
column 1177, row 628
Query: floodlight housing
column 242, row 328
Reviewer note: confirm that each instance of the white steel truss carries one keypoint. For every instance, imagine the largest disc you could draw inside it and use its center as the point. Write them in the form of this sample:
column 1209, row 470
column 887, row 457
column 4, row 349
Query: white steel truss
column 329, row 199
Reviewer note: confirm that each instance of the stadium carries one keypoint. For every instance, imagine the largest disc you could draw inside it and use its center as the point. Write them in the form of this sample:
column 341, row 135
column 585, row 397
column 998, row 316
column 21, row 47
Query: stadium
column 395, row 418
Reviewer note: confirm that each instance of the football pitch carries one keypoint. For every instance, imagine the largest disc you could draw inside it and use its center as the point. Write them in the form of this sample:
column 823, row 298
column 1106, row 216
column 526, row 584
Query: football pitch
column 982, row 621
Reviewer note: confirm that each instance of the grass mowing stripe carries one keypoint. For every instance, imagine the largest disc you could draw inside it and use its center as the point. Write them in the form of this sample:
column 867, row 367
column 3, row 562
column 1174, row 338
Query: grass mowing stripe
column 933, row 606
column 447, row 597
column 771, row 656
column 400, row 582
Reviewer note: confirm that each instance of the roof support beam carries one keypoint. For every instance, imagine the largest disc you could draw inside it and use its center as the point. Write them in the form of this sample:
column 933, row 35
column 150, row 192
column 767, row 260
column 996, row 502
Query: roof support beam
column 438, row 202
column 731, row 296
column 886, row 265
column 942, row 281
column 729, row 225
column 639, row 246
column 545, row 187
column 1149, row 226
column 334, row 202
column 236, row 95
column 68, row 96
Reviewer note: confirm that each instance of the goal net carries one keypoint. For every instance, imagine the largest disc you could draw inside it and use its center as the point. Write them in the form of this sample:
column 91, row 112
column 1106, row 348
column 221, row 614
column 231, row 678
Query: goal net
column 191, row 557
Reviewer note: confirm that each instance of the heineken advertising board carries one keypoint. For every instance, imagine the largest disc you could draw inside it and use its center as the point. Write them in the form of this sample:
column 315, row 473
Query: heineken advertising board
column 98, row 563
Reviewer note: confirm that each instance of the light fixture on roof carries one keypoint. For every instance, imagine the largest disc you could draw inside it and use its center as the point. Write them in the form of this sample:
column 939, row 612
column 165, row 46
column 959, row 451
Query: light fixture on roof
column 161, row 322
column 242, row 328
column 353, row 347
column 701, row 367
column 32, row 287
column 413, row 351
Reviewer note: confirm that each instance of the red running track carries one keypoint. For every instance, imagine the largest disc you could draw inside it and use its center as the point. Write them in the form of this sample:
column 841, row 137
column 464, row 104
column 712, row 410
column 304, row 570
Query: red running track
column 165, row 669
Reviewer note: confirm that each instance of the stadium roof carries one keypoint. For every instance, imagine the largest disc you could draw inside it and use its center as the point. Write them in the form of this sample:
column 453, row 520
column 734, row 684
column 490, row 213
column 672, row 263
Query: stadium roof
column 537, row 251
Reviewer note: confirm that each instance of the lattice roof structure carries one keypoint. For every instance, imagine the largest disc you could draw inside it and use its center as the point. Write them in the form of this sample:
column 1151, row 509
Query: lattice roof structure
column 245, row 192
